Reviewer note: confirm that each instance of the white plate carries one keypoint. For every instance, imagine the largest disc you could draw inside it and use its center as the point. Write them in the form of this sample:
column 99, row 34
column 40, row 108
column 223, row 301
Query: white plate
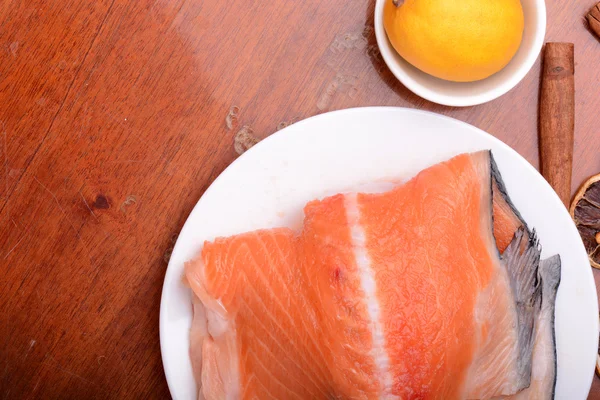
column 269, row 185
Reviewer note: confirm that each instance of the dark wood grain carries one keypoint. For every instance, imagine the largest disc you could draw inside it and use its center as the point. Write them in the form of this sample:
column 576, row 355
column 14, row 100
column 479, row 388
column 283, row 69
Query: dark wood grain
column 113, row 123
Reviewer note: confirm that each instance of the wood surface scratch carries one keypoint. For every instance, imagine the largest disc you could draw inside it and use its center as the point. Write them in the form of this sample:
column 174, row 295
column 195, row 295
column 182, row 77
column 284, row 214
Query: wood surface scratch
column 62, row 210
column 31, row 344
column 15, row 246
column 36, row 385
column 71, row 373
column 87, row 205
column 6, row 173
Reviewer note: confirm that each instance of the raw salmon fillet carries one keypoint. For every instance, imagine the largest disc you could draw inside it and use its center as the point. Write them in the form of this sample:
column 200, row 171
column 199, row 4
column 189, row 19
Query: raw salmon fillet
column 433, row 294
column 395, row 295
column 261, row 338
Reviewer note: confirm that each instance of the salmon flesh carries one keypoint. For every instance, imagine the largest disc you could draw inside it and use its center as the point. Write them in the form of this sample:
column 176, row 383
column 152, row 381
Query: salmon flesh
column 431, row 290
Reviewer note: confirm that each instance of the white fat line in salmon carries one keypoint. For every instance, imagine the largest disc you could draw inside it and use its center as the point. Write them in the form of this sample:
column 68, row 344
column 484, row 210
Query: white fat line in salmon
column 369, row 286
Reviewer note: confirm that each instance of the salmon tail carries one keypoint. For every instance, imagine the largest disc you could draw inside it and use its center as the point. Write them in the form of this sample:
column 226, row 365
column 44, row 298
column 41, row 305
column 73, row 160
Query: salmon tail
column 522, row 260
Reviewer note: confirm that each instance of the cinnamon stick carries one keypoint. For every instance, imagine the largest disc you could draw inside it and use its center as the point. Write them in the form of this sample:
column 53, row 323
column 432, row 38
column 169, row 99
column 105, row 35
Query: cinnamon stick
column 557, row 117
column 593, row 18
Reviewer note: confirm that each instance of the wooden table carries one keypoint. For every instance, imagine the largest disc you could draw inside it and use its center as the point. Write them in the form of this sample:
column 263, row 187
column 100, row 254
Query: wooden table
column 113, row 122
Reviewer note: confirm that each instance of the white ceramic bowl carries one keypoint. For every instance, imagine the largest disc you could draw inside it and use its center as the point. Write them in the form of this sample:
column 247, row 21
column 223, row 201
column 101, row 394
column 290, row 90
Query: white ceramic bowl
column 468, row 93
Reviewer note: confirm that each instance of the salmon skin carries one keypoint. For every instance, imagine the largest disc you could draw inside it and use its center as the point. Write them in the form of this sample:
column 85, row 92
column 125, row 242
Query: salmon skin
column 431, row 290
column 543, row 376
column 523, row 271
column 507, row 219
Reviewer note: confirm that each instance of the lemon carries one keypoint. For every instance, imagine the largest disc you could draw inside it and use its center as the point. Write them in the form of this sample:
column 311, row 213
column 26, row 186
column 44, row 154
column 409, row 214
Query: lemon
column 456, row 40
